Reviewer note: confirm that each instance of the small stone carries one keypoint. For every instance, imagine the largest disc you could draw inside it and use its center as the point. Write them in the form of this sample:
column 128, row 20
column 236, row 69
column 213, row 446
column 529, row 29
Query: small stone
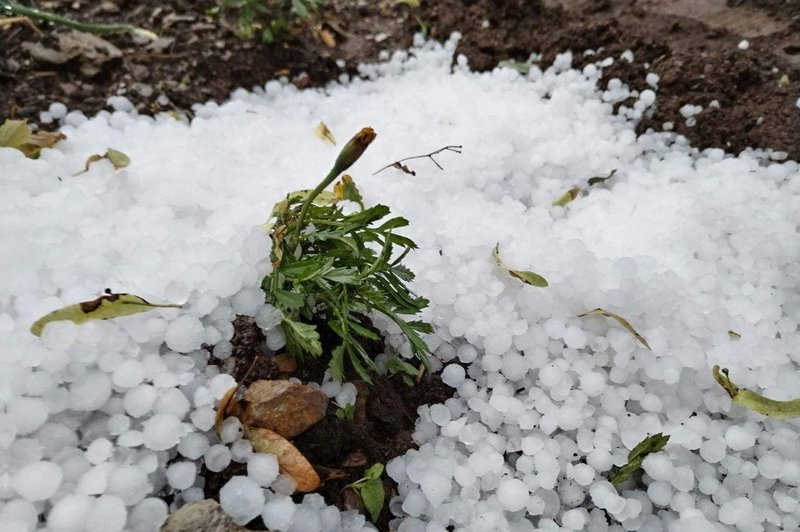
column 203, row 516
column 284, row 407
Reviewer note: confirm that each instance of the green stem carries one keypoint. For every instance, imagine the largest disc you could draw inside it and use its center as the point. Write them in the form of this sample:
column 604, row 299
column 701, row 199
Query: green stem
column 46, row 16
column 332, row 175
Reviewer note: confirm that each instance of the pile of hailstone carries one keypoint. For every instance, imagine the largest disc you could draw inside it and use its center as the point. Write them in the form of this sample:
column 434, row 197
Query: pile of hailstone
column 99, row 420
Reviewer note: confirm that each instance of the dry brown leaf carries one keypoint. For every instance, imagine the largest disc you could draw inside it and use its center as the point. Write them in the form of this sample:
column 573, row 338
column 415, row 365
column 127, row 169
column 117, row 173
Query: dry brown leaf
column 622, row 321
column 291, row 461
column 286, row 407
column 327, row 37
column 230, row 405
column 324, row 133
column 285, row 363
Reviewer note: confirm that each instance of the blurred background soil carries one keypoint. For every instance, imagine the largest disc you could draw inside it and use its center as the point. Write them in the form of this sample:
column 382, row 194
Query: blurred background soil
column 692, row 46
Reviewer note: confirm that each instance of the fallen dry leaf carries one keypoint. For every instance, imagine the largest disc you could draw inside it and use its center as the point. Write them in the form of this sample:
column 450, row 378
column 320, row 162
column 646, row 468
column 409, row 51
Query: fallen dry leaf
column 229, row 405
column 324, row 133
column 92, row 51
column 291, row 461
column 103, row 308
column 622, row 321
column 285, row 407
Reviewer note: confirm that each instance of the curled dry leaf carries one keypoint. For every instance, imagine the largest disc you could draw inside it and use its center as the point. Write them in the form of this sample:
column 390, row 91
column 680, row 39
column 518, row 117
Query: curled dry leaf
column 733, row 335
column 345, row 189
column 16, row 134
column 103, row 308
column 755, row 401
column 531, row 278
column 285, row 407
column 567, row 197
column 324, row 133
column 115, row 157
column 290, row 460
column 622, row 321
column 229, row 405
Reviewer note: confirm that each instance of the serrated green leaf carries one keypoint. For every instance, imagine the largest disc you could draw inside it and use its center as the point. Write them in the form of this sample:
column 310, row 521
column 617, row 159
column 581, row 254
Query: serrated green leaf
column 288, row 300
column 336, row 364
column 398, row 365
column 103, row 308
column 531, row 278
column 302, row 336
column 622, row 321
column 651, row 444
column 373, row 495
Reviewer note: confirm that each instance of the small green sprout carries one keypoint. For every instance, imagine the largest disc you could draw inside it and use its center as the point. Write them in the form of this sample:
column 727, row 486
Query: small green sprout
column 649, row 445
column 396, row 365
column 370, row 489
column 346, row 411
column 270, row 20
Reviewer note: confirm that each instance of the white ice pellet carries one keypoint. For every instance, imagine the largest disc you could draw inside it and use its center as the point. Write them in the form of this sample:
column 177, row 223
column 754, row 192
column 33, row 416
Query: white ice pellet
column 347, row 394
column 575, row 519
column 181, row 475
column 162, row 432
column 129, row 482
column 453, row 375
column 242, row 499
column 217, row 458
column 513, row 494
column 262, row 468
column 99, row 451
column 278, row 513
column 149, row 514
column 738, row 438
column 184, row 334
column 106, row 514
column 37, row 481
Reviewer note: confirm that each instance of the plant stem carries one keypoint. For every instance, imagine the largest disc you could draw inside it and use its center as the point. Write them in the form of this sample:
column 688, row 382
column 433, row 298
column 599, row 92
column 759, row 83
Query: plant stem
column 332, row 175
column 46, row 16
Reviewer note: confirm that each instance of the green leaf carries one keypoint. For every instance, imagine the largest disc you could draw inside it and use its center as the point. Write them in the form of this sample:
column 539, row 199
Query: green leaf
column 567, row 197
column 734, row 335
column 651, row 444
column 374, row 472
column 622, row 321
column 103, row 308
column 531, row 278
column 302, row 336
column 288, row 300
column 336, row 364
column 755, row 401
column 597, row 180
column 398, row 365
column 522, row 68
column 373, row 495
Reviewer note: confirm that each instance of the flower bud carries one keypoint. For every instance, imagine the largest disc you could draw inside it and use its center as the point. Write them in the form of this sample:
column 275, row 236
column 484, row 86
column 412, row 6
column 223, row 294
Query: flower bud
column 353, row 150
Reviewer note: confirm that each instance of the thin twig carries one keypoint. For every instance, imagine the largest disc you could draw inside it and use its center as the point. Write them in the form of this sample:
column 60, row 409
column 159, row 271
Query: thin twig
column 399, row 164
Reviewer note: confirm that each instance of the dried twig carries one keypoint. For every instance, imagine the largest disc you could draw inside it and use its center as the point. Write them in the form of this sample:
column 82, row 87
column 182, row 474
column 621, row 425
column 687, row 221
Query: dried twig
column 403, row 168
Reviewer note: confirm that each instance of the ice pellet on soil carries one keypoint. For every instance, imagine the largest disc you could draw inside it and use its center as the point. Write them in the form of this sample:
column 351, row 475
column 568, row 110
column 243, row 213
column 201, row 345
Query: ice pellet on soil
column 262, row 468
column 453, row 375
column 242, row 499
column 181, row 475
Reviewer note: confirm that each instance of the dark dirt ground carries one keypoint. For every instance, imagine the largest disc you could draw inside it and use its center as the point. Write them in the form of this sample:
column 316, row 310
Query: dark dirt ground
column 691, row 45
column 340, row 450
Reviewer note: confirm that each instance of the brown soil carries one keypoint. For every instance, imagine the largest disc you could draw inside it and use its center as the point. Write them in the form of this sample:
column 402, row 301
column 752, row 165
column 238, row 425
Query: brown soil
column 339, row 449
column 691, row 45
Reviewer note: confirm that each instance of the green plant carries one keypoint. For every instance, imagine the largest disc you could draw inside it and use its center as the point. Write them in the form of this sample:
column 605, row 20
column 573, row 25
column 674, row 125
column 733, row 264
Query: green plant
column 346, row 411
column 370, row 489
column 649, row 445
column 334, row 269
column 269, row 19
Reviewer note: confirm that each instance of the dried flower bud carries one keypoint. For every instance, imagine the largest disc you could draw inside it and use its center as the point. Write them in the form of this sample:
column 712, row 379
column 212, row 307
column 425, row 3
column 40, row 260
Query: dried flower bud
column 353, row 150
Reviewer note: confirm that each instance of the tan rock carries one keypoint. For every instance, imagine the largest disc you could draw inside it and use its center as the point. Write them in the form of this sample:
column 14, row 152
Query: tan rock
column 202, row 516
column 284, row 407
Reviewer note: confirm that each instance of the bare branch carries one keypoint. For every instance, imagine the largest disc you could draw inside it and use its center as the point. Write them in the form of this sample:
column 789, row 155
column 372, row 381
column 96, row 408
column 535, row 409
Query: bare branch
column 403, row 168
